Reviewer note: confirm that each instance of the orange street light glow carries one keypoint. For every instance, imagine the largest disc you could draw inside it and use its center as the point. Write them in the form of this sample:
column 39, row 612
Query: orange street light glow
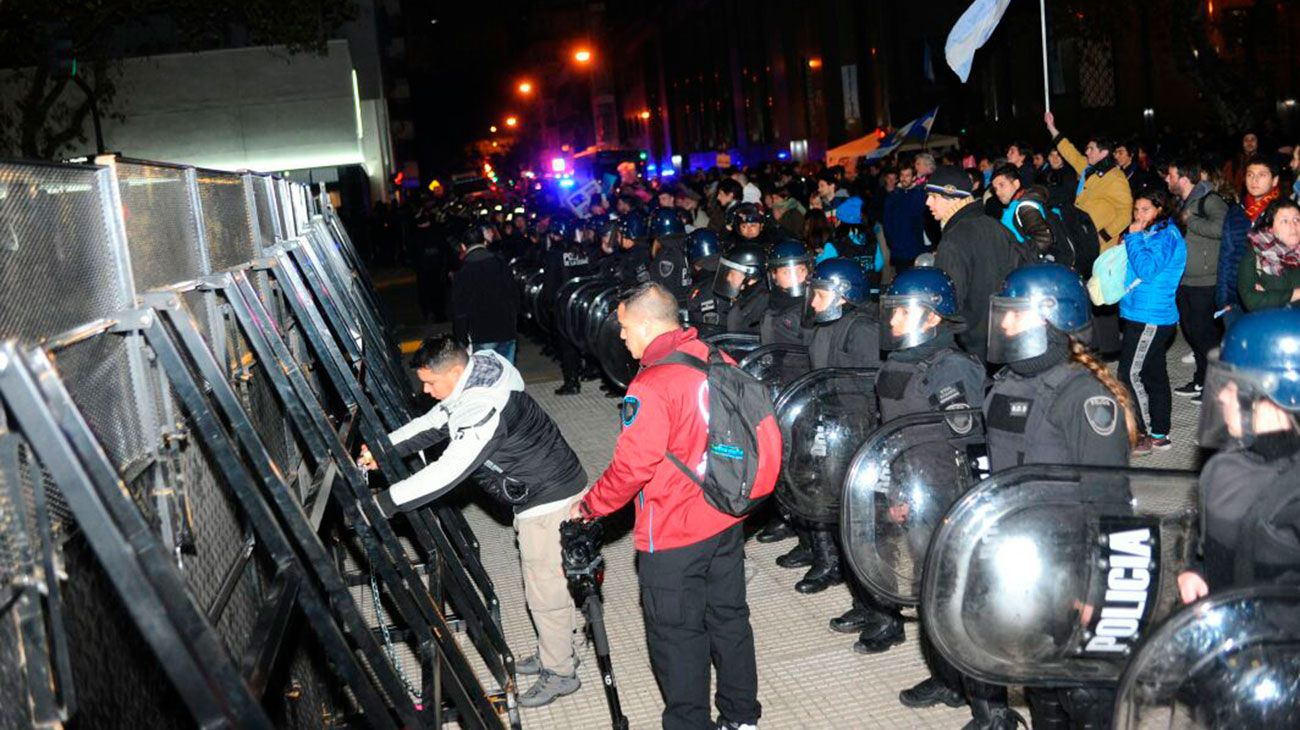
column 814, row 63
column 511, row 121
column 582, row 55
column 645, row 115
column 525, row 88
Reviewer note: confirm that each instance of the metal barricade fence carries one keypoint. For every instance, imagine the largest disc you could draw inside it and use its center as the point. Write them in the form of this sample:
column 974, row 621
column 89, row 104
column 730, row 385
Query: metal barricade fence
column 66, row 225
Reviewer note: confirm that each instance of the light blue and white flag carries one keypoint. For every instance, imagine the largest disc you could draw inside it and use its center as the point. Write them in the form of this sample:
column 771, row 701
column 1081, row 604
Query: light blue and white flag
column 972, row 31
column 917, row 130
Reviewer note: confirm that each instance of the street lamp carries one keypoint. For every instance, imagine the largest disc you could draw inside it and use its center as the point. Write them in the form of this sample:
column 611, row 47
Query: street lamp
column 645, row 114
column 512, row 121
column 525, row 88
column 493, row 129
column 582, row 55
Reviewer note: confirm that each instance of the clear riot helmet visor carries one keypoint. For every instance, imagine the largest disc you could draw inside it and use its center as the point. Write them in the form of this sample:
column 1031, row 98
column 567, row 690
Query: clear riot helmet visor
column 730, row 279
column 1237, row 406
column 1017, row 328
column 823, row 302
column 790, row 278
column 905, row 322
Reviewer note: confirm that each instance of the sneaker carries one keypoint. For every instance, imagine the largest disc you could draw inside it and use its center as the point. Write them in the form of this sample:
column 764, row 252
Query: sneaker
column 1188, row 359
column 725, row 724
column 1143, row 447
column 532, row 664
column 1162, row 444
column 548, row 688
column 1188, row 391
column 1196, row 399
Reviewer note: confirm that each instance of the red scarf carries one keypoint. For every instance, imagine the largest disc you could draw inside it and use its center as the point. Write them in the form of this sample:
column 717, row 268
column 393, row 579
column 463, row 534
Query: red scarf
column 1256, row 206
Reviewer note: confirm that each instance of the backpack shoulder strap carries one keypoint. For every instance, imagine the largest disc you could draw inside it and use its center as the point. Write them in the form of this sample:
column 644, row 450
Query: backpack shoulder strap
column 677, row 357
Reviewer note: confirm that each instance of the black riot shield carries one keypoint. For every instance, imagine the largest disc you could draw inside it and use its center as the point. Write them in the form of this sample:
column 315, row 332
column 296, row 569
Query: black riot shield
column 1045, row 575
column 776, row 366
column 899, row 486
column 1228, row 661
column 572, row 308
column 536, row 306
column 824, row 416
column 602, row 304
column 611, row 352
column 735, row 344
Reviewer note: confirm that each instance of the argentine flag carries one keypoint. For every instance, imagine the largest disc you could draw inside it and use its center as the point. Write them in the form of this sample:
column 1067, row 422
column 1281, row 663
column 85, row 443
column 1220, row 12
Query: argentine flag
column 917, row 130
column 972, row 31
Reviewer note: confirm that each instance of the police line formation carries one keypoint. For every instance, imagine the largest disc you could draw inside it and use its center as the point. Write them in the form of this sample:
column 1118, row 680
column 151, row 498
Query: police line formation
column 192, row 359
column 1004, row 508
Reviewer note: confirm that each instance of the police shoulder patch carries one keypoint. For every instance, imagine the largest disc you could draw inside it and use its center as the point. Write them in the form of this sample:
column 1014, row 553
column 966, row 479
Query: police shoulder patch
column 629, row 410
column 1102, row 414
column 665, row 268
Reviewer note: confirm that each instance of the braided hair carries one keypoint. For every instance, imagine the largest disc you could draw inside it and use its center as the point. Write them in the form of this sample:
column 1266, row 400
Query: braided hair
column 1080, row 354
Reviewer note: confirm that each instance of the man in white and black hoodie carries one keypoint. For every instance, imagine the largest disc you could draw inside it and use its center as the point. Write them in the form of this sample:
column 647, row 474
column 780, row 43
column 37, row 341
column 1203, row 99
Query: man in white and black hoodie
column 500, row 435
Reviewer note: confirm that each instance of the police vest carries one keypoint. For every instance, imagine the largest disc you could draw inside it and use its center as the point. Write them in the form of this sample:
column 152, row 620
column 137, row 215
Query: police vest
column 1249, row 506
column 1016, row 417
column 907, row 388
column 833, row 345
column 782, row 326
column 670, row 269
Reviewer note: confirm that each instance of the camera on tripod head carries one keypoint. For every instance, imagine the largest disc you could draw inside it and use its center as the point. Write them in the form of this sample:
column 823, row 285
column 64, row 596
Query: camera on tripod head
column 580, row 543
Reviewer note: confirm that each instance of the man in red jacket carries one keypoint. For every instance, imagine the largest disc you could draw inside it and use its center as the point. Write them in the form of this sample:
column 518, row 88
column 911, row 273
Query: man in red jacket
column 690, row 556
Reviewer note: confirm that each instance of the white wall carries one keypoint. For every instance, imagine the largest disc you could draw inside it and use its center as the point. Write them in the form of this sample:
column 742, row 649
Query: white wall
column 248, row 108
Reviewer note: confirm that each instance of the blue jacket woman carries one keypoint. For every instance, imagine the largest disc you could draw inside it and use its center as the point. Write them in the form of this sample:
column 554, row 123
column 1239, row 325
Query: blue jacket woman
column 1157, row 255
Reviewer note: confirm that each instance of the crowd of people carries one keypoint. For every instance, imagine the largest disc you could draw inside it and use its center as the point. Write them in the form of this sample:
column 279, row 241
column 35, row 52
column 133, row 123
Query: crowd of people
column 962, row 279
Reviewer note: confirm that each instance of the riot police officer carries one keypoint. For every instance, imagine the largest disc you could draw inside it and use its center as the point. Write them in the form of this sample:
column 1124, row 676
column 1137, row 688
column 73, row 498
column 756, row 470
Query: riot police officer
column 565, row 259
column 628, row 259
column 1250, row 490
column 706, row 311
column 1053, row 403
column 924, row 372
column 740, row 280
column 668, row 265
column 787, row 274
column 750, row 225
column 844, row 334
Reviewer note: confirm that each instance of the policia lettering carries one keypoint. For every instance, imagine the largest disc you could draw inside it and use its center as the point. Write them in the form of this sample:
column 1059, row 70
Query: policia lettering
column 1131, row 556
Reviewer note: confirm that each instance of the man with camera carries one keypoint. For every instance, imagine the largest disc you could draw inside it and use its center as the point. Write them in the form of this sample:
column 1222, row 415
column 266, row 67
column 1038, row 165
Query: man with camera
column 498, row 433
column 690, row 555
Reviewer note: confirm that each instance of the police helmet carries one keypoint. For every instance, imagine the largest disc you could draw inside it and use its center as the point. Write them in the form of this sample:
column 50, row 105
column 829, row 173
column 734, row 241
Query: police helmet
column 1031, row 298
column 788, row 267
column 631, row 228
column 906, row 306
column 835, row 283
column 1258, row 360
column 666, row 222
column 749, row 213
column 564, row 229
column 746, row 259
column 702, row 246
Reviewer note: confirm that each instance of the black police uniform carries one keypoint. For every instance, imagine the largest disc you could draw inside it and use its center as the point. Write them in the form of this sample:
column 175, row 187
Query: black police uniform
column 628, row 266
column 782, row 321
column 564, row 262
column 1250, row 514
column 933, row 376
column 669, row 268
column 852, row 341
column 745, row 315
column 705, row 310
column 1050, row 410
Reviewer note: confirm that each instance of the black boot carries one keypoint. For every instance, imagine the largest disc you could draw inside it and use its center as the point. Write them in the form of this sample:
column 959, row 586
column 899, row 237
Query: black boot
column 930, row 692
column 988, row 715
column 825, row 570
column 775, row 531
column 1046, row 710
column 570, row 387
column 852, row 620
column 883, row 631
column 800, row 556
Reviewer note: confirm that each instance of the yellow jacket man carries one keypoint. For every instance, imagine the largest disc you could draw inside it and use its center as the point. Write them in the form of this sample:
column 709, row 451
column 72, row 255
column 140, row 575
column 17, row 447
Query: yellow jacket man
column 1105, row 195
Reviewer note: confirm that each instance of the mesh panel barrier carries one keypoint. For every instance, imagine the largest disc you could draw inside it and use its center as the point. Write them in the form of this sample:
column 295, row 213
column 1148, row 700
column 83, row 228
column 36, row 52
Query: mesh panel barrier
column 264, row 203
column 162, row 227
column 227, row 219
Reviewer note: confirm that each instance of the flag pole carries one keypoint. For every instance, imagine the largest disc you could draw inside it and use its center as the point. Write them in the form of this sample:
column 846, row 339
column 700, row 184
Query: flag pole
column 1047, row 87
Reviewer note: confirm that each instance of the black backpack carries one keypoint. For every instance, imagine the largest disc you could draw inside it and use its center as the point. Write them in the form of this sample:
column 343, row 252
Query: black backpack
column 1074, row 238
column 743, row 456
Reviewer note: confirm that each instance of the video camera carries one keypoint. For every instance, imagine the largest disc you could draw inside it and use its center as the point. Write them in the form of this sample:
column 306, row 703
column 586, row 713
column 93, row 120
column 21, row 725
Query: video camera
column 580, row 543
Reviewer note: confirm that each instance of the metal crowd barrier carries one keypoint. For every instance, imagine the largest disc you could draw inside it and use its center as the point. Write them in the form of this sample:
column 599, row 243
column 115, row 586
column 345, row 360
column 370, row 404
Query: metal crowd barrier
column 189, row 357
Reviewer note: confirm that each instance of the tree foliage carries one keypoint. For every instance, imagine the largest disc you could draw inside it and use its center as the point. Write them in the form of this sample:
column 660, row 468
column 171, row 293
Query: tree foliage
column 42, row 111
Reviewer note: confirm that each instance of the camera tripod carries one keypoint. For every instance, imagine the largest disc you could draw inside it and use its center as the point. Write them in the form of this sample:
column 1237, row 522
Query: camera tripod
column 584, row 567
